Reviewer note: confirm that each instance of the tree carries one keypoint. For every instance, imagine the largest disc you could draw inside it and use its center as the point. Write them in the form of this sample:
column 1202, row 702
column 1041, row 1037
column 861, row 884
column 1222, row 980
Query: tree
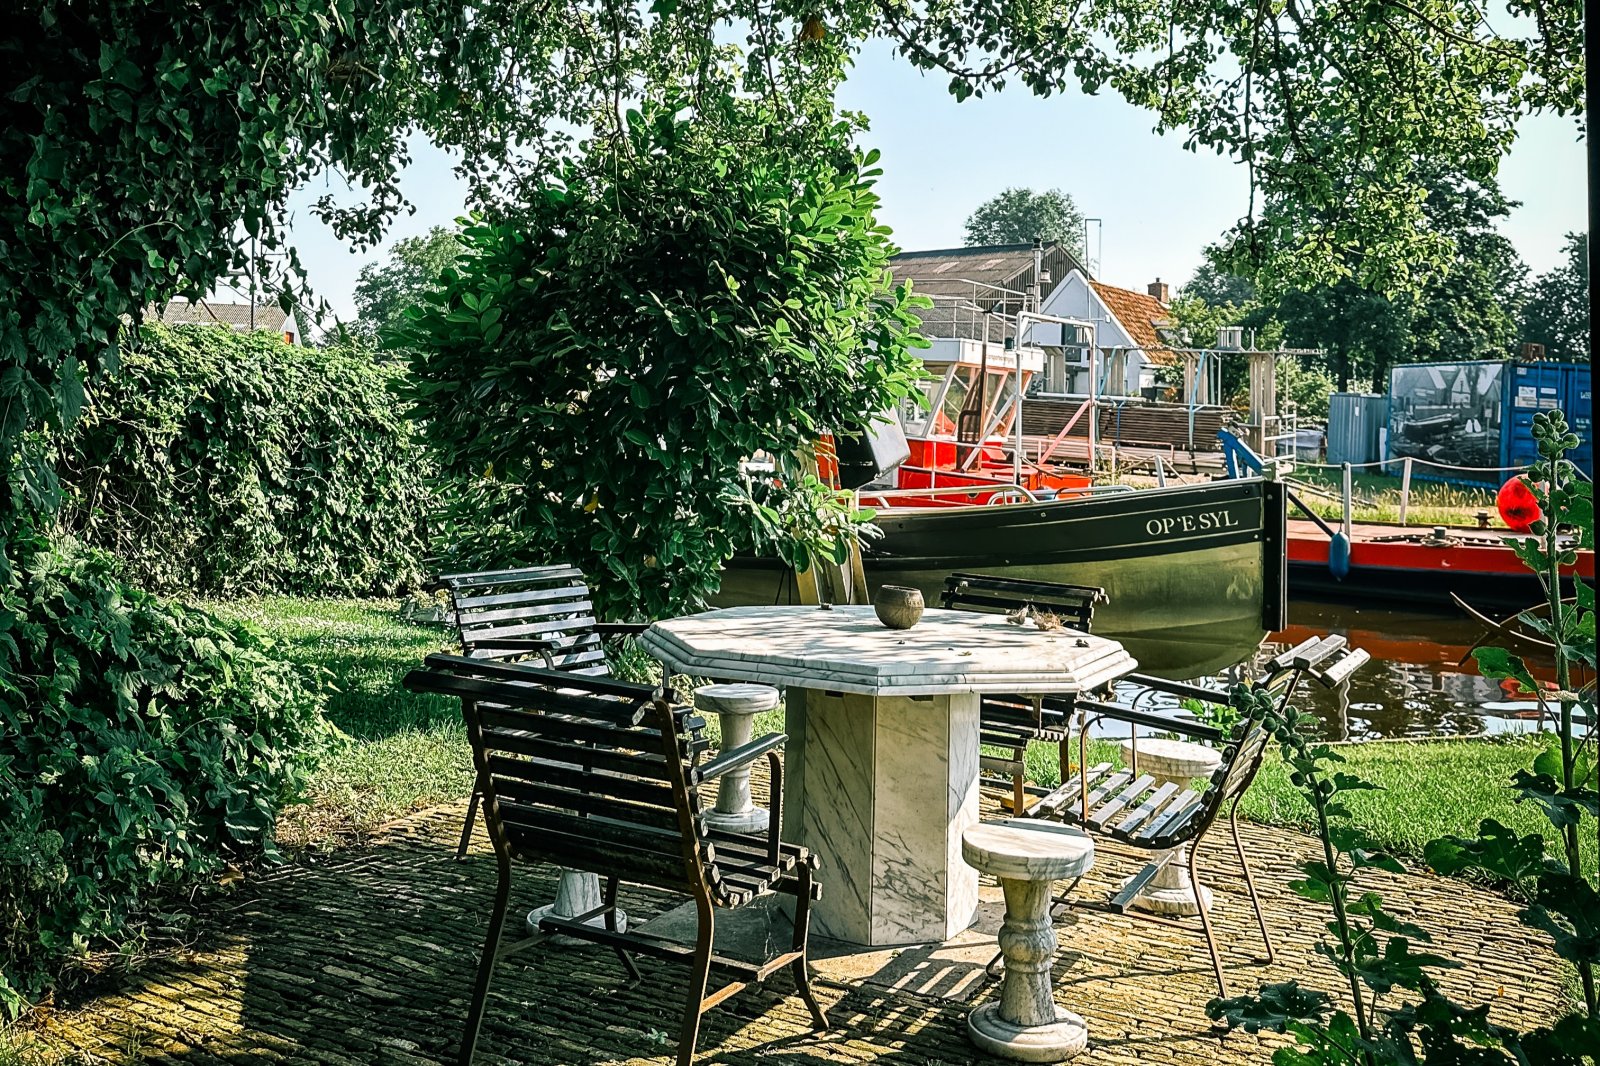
column 1462, row 307
column 1217, row 287
column 627, row 331
column 383, row 292
column 139, row 140
column 1019, row 216
column 1556, row 314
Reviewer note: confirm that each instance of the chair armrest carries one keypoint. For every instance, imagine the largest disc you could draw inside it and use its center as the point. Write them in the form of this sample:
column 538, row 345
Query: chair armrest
column 741, row 756
column 1119, row 713
column 620, row 629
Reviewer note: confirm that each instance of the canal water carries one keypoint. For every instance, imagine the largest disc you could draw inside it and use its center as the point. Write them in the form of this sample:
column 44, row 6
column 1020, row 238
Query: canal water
column 1417, row 683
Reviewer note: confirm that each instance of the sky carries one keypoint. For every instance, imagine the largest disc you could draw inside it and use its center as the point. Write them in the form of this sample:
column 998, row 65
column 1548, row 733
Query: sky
column 1159, row 204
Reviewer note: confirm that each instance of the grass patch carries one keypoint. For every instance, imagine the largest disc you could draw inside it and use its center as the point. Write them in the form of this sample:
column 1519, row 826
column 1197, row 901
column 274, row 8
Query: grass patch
column 403, row 751
column 1376, row 498
column 406, row 751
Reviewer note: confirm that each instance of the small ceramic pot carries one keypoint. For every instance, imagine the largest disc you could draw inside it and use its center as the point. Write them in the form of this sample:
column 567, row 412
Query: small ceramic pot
column 898, row 607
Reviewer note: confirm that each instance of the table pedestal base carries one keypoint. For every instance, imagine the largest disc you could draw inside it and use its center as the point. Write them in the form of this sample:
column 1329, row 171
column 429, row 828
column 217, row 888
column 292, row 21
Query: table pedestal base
column 881, row 789
column 1171, row 892
column 576, row 893
column 1050, row 1042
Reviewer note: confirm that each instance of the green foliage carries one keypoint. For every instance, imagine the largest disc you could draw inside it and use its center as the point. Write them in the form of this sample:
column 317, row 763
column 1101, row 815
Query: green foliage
column 1556, row 311
column 612, row 346
column 224, row 462
column 1464, row 305
column 384, row 291
column 1018, row 216
column 1308, row 389
column 1220, row 716
column 1371, row 948
column 140, row 138
column 143, row 746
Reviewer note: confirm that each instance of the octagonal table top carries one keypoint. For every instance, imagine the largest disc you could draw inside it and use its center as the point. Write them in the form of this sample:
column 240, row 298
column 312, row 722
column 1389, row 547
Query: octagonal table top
column 847, row 649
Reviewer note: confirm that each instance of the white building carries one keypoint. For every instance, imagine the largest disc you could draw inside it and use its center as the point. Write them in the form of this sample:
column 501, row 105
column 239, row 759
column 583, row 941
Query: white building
column 1128, row 329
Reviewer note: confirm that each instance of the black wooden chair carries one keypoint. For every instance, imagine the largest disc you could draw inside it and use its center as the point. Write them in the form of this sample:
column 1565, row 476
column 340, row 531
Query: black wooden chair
column 535, row 611
column 595, row 774
column 1011, row 723
column 1129, row 807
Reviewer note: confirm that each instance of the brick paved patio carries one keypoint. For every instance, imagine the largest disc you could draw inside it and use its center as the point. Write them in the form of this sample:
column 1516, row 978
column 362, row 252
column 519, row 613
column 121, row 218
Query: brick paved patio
column 366, row 957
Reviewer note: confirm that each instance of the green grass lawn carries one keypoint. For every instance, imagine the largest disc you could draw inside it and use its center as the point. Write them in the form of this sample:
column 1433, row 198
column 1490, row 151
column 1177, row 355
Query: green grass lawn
column 406, row 751
column 403, row 751
column 1376, row 498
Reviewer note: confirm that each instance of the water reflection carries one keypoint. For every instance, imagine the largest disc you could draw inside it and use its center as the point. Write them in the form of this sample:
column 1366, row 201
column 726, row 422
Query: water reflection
column 1415, row 685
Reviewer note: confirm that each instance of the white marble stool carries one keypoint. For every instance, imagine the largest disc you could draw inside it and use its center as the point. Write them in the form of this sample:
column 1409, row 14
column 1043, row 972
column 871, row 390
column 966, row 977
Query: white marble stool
column 736, row 706
column 1027, row 856
column 577, row 892
column 1177, row 762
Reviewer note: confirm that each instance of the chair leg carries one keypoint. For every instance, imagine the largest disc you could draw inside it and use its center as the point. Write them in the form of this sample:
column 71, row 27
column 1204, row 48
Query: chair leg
column 491, row 949
column 802, row 929
column 697, row 983
column 466, row 827
column 1249, row 881
column 610, row 900
column 1019, row 781
column 1205, row 919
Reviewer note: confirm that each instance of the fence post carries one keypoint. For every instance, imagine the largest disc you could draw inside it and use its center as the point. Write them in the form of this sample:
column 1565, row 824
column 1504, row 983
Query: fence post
column 1345, row 470
column 1405, row 488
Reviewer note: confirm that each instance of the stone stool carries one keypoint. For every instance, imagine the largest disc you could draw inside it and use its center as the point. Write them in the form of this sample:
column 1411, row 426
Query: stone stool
column 1027, row 856
column 736, row 707
column 1177, row 762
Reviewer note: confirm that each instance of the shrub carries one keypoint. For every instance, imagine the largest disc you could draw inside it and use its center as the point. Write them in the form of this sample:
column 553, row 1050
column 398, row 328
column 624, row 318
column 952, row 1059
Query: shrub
column 143, row 746
column 221, row 462
column 610, row 347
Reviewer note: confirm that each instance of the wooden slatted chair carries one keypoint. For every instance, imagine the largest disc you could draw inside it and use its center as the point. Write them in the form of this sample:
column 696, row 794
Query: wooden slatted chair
column 1011, row 723
column 1131, row 807
column 536, row 611
column 600, row 775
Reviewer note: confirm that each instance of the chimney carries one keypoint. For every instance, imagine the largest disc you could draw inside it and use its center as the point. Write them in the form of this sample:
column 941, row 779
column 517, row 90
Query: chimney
column 1160, row 290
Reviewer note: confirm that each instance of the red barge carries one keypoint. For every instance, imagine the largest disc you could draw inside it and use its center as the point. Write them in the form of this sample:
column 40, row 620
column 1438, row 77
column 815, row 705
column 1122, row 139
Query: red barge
column 1404, row 563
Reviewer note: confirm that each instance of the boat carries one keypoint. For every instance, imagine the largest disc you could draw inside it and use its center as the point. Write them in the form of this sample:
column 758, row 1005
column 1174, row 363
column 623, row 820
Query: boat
column 1390, row 562
column 1194, row 574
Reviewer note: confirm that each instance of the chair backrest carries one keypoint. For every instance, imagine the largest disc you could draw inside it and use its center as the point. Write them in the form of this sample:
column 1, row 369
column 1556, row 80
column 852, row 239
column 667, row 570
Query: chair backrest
column 587, row 773
column 495, row 609
column 1241, row 759
column 1072, row 604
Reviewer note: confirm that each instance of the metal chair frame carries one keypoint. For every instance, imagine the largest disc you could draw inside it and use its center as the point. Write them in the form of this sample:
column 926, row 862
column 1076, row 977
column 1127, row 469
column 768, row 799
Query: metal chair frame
column 1011, row 723
column 594, row 774
column 511, row 615
column 1153, row 823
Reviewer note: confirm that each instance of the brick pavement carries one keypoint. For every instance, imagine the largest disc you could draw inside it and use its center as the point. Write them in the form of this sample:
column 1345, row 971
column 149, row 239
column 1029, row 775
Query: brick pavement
column 366, row 956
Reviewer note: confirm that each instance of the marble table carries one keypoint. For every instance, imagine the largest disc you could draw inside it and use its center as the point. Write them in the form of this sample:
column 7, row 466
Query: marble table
column 881, row 770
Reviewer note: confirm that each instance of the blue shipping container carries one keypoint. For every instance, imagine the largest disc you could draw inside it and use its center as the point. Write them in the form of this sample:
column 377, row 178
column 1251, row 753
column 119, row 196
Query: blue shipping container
column 1535, row 387
column 1471, row 422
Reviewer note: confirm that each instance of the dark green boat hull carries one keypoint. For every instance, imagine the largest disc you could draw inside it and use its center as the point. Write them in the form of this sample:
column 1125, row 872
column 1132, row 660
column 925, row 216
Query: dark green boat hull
column 1196, row 574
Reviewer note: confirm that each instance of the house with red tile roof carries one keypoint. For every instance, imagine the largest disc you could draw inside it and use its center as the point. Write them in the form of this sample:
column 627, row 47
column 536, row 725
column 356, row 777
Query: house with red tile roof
column 1129, row 329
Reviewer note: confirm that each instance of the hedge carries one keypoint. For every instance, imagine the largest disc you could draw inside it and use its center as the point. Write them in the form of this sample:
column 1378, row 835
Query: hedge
column 144, row 746
column 222, row 463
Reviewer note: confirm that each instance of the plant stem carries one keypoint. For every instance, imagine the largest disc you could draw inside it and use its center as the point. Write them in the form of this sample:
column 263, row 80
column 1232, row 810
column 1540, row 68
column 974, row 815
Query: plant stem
column 1558, row 633
column 1341, row 919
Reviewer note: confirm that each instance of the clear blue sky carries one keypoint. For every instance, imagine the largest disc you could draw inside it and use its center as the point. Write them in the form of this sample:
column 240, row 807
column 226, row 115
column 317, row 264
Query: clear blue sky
column 1160, row 204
